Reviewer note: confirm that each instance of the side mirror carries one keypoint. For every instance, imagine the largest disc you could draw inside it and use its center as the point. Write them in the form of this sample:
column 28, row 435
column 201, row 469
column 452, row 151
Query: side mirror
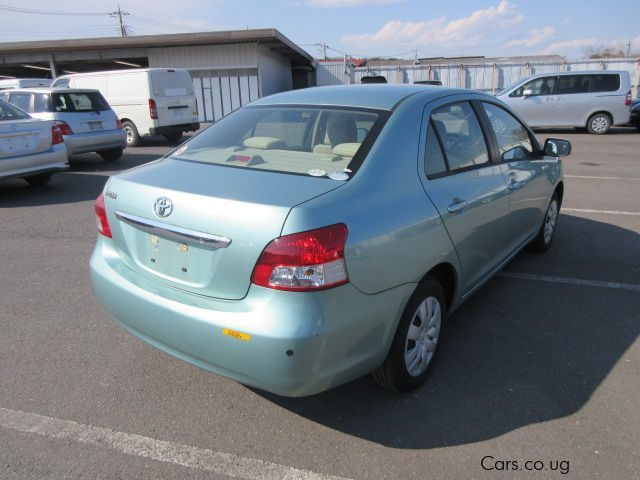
column 527, row 93
column 557, row 147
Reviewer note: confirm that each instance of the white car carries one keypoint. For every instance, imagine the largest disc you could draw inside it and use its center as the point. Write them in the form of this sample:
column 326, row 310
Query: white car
column 29, row 148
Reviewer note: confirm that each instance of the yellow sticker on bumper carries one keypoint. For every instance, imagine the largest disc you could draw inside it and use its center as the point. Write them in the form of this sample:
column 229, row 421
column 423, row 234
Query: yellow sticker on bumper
column 235, row 334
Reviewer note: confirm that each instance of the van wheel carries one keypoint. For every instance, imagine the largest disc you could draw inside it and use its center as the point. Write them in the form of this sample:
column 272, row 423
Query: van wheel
column 133, row 137
column 547, row 231
column 414, row 345
column 111, row 155
column 39, row 180
column 599, row 124
column 174, row 137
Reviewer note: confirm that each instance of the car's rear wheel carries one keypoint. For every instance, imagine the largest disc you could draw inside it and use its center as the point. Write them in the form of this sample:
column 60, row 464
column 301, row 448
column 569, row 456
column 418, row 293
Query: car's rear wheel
column 414, row 345
column 111, row 155
column 133, row 137
column 599, row 124
column 39, row 180
column 173, row 137
column 547, row 231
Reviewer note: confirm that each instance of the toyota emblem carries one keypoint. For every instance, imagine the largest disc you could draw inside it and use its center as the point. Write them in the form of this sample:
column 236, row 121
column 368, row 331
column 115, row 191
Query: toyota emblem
column 163, row 207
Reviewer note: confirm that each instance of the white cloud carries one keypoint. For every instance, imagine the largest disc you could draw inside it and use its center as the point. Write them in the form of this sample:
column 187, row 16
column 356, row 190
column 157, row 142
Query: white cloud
column 461, row 33
column 535, row 37
column 348, row 3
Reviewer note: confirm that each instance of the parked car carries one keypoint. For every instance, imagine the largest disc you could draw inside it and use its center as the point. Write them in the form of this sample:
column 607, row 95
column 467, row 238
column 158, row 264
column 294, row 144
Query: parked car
column 85, row 119
column 635, row 114
column 29, row 148
column 11, row 83
column 595, row 100
column 373, row 79
column 148, row 101
column 275, row 249
column 436, row 83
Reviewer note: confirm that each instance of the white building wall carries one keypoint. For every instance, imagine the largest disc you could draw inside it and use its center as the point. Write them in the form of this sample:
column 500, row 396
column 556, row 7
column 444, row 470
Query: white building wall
column 205, row 57
column 274, row 72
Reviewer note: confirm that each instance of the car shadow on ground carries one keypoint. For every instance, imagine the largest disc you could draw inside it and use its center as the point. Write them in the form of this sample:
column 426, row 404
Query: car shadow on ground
column 516, row 353
column 83, row 181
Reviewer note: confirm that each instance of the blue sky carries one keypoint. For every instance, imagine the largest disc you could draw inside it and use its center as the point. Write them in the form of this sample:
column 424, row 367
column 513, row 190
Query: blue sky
column 358, row 27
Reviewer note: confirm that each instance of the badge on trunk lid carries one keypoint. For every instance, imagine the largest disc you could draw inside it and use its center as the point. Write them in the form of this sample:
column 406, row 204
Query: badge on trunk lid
column 163, row 207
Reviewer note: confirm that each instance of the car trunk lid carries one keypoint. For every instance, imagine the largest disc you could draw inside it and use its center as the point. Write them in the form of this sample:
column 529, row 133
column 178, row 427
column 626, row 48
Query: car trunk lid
column 24, row 137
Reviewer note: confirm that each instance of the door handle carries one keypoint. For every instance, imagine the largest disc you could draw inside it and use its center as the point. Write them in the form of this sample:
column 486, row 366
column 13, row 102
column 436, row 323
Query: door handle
column 512, row 186
column 457, row 206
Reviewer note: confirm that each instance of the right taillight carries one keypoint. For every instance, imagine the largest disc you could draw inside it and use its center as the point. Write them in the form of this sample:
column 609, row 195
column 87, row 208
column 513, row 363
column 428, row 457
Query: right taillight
column 56, row 135
column 303, row 262
column 101, row 217
column 627, row 99
column 153, row 109
column 64, row 127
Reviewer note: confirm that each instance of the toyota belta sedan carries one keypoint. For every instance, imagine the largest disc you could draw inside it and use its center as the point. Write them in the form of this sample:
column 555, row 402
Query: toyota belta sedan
column 318, row 235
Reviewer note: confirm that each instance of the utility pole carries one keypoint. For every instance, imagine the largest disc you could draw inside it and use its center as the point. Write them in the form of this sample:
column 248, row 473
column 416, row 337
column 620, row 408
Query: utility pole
column 119, row 14
column 628, row 48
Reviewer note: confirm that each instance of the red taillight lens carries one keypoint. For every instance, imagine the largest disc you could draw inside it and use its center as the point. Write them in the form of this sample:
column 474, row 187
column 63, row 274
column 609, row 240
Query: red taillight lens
column 627, row 99
column 101, row 217
column 56, row 135
column 64, row 127
column 118, row 124
column 305, row 261
column 153, row 109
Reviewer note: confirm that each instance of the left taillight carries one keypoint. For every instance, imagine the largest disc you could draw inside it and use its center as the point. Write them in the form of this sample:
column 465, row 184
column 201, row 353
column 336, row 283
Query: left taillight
column 305, row 261
column 627, row 99
column 101, row 217
column 56, row 135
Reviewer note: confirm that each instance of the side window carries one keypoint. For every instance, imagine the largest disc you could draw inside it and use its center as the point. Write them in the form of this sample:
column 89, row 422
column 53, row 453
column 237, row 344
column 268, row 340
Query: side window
column 607, row 83
column 513, row 139
column 568, row 84
column 539, row 86
column 461, row 136
column 21, row 100
column 42, row 103
column 434, row 162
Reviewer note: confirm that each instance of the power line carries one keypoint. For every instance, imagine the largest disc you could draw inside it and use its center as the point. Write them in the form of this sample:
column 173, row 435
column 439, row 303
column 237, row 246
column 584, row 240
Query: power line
column 9, row 8
column 119, row 13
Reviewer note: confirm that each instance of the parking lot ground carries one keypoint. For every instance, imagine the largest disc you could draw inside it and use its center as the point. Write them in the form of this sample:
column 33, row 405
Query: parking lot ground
column 539, row 365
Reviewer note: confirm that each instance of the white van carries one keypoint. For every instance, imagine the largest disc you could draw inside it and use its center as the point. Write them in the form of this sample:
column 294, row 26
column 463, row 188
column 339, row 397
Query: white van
column 148, row 101
column 11, row 83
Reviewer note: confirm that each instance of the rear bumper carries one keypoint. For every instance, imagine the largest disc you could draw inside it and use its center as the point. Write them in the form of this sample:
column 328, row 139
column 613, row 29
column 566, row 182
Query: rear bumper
column 300, row 343
column 95, row 141
column 53, row 160
column 168, row 130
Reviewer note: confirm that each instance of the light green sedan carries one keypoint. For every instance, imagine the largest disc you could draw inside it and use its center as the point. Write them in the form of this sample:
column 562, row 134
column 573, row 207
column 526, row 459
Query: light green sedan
column 319, row 235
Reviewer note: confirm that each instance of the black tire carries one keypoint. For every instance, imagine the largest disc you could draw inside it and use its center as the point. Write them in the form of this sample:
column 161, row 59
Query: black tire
column 394, row 374
column 133, row 137
column 39, row 180
column 542, row 242
column 599, row 124
column 111, row 155
column 173, row 138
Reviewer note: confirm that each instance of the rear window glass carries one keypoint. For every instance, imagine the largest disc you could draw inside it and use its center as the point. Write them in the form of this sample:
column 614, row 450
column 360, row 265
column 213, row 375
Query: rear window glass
column 171, row 84
column 316, row 141
column 78, row 102
column 21, row 100
column 9, row 112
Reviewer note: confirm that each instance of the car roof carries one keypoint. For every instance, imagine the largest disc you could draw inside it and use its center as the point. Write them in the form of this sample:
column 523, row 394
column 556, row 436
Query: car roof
column 376, row 96
column 51, row 90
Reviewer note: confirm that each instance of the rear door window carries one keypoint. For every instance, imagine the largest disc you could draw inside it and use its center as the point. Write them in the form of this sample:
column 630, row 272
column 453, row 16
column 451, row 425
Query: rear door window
column 171, row 84
column 21, row 100
column 460, row 134
column 569, row 84
column 42, row 103
column 79, row 102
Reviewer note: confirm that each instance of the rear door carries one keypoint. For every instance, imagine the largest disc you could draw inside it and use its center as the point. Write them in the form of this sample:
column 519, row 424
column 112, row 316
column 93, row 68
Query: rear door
column 172, row 91
column 84, row 111
column 467, row 189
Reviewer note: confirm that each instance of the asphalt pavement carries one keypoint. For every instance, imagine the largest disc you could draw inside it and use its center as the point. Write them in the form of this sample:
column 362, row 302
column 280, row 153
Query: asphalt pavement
column 541, row 365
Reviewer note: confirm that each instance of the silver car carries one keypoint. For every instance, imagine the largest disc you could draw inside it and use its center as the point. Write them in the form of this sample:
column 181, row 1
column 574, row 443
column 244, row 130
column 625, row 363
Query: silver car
column 591, row 100
column 86, row 120
column 29, row 148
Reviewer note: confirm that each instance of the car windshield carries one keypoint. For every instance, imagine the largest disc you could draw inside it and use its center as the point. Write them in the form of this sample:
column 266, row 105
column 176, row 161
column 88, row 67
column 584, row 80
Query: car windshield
column 9, row 112
column 314, row 140
column 78, row 102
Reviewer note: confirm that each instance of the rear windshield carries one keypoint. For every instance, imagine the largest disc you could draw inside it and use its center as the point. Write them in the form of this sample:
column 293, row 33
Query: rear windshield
column 171, row 84
column 9, row 112
column 78, row 102
column 315, row 141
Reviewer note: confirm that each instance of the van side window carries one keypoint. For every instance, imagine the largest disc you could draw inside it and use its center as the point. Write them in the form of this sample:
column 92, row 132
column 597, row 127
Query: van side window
column 434, row 162
column 513, row 139
column 607, row 83
column 42, row 103
column 461, row 135
column 539, row 86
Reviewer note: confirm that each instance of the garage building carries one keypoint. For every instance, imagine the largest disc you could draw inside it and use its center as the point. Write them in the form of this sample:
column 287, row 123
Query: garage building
column 229, row 68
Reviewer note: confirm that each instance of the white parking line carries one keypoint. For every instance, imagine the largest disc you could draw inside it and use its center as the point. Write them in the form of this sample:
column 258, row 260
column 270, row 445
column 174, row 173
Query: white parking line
column 169, row 452
column 572, row 281
column 606, row 212
column 603, row 178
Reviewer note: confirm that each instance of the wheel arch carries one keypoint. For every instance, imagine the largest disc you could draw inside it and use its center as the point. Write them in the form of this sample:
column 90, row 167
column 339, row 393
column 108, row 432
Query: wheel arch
column 560, row 191
column 445, row 273
column 596, row 112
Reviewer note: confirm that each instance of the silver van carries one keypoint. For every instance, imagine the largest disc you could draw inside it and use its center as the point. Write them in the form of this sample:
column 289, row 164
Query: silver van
column 87, row 122
column 591, row 100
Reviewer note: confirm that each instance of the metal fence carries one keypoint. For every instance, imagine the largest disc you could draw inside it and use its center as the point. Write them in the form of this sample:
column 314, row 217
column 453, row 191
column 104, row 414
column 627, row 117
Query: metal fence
column 487, row 77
